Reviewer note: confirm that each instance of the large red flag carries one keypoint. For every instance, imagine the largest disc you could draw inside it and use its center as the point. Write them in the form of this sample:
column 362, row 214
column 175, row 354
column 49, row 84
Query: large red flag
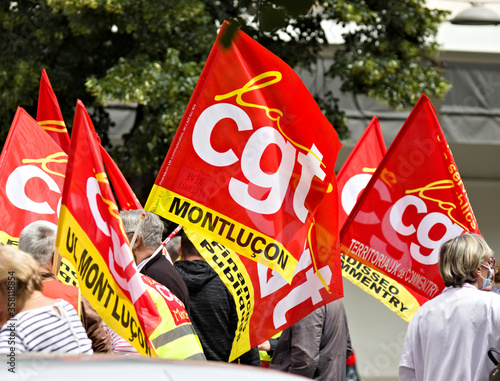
column 49, row 115
column 252, row 161
column 252, row 168
column 32, row 171
column 359, row 167
column 414, row 203
column 90, row 234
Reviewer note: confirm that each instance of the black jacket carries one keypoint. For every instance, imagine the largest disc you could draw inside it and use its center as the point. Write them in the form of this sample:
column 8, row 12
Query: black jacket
column 213, row 312
column 161, row 270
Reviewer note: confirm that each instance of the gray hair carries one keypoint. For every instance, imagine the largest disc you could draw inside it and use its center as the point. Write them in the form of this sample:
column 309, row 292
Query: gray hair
column 39, row 240
column 460, row 257
column 151, row 230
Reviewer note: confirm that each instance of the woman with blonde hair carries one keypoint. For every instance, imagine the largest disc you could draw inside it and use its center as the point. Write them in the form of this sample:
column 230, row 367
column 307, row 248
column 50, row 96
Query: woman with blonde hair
column 30, row 321
column 449, row 336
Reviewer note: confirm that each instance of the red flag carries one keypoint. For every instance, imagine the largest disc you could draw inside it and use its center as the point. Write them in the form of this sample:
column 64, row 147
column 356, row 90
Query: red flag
column 32, row 168
column 49, row 115
column 252, row 168
column 252, row 160
column 359, row 166
column 90, row 234
column 126, row 196
column 414, row 203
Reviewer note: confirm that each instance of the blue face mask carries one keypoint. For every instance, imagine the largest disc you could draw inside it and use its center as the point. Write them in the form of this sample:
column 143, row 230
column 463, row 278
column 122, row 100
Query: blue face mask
column 486, row 282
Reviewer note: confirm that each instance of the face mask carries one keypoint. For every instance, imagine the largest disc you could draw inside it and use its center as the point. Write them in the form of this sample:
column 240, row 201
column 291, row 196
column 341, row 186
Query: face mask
column 486, row 282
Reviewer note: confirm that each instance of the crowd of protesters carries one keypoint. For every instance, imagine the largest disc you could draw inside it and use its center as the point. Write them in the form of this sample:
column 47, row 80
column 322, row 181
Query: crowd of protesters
column 447, row 338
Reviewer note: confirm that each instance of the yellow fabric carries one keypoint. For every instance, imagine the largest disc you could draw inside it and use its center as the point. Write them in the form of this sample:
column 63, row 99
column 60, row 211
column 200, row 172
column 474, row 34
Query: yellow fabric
column 170, row 340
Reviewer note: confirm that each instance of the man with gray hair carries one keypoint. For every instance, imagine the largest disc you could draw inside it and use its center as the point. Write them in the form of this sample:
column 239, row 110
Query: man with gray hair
column 148, row 240
column 38, row 239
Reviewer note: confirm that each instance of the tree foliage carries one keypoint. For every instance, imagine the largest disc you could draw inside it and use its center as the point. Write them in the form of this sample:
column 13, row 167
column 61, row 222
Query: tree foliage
column 151, row 53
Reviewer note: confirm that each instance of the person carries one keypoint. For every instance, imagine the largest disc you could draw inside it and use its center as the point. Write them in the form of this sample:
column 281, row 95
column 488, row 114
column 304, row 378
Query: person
column 174, row 337
column 496, row 281
column 38, row 239
column 30, row 321
column 317, row 346
column 173, row 248
column 449, row 336
column 213, row 310
column 148, row 240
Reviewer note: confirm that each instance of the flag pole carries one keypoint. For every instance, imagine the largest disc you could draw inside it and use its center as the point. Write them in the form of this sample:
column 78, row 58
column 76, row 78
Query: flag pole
column 56, row 262
column 167, row 240
column 134, row 237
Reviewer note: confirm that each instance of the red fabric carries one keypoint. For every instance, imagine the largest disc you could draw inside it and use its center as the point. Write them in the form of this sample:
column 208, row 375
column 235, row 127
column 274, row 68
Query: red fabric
column 124, row 193
column 32, row 167
column 359, row 167
column 351, row 360
column 267, row 169
column 268, row 136
column 56, row 290
column 88, row 200
column 49, row 114
column 414, row 202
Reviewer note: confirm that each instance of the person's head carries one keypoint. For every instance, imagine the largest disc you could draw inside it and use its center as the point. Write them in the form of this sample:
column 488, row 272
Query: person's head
column 465, row 259
column 19, row 273
column 173, row 248
column 150, row 233
column 39, row 240
column 187, row 250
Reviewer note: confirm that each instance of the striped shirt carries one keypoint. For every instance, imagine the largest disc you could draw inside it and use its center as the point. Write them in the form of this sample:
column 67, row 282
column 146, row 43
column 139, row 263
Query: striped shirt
column 46, row 331
column 119, row 344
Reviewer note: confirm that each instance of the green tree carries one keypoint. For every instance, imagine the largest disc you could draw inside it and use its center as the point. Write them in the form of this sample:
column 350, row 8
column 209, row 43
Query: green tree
column 152, row 52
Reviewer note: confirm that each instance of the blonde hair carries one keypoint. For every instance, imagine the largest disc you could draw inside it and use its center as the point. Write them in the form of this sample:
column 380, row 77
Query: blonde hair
column 22, row 269
column 460, row 257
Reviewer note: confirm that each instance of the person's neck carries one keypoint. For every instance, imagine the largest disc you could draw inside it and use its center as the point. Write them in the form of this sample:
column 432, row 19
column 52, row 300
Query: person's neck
column 142, row 254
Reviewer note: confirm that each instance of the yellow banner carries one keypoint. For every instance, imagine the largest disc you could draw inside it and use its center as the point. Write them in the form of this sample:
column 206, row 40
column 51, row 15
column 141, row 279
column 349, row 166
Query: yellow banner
column 6, row 239
column 383, row 288
column 67, row 273
column 97, row 284
column 233, row 273
column 211, row 224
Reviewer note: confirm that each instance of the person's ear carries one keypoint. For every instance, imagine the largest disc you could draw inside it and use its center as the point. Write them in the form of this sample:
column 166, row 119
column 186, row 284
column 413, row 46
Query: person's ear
column 478, row 272
column 138, row 242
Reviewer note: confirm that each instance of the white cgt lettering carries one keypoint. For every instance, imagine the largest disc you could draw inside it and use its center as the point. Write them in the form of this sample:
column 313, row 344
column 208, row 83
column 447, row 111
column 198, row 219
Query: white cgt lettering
column 120, row 257
column 423, row 229
column 276, row 183
column 16, row 185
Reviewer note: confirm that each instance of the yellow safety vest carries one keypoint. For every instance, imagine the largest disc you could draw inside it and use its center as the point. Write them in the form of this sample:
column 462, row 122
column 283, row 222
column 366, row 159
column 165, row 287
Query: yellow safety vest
column 175, row 337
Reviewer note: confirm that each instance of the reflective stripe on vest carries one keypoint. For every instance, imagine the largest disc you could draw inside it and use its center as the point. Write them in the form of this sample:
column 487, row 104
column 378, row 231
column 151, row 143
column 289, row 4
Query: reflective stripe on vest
column 170, row 340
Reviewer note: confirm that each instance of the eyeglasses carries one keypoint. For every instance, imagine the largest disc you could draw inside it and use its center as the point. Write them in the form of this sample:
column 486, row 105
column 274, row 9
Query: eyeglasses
column 490, row 265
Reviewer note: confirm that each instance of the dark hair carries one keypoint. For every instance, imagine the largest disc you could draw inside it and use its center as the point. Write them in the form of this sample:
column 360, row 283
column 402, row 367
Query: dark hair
column 187, row 247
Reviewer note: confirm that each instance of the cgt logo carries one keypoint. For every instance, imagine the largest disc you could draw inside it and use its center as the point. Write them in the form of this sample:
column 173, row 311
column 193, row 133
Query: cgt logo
column 276, row 183
column 422, row 231
column 18, row 184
